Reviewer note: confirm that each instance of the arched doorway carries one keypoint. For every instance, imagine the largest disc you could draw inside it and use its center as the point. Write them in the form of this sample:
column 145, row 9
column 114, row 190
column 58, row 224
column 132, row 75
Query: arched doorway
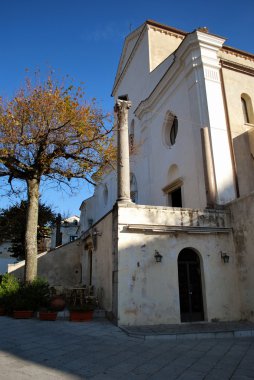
column 190, row 286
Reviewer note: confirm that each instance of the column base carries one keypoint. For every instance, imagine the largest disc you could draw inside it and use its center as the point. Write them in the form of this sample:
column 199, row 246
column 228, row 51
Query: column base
column 124, row 200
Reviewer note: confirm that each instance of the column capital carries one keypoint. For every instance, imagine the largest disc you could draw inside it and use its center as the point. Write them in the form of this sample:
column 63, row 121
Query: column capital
column 122, row 105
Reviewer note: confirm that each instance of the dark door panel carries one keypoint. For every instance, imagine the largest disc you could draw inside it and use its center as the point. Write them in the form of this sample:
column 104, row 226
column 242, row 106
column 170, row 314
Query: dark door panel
column 190, row 286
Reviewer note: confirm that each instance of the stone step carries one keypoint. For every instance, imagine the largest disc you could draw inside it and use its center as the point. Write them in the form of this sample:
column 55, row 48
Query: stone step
column 192, row 331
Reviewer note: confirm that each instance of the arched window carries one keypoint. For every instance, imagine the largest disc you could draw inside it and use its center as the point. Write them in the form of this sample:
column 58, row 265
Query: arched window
column 134, row 188
column 170, row 129
column 173, row 131
column 247, row 109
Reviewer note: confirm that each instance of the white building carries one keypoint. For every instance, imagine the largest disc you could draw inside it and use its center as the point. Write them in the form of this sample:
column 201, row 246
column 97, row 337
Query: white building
column 67, row 231
column 192, row 177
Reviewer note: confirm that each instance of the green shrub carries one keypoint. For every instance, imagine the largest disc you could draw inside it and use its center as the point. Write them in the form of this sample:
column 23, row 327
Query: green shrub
column 9, row 287
column 15, row 295
column 9, row 284
column 37, row 293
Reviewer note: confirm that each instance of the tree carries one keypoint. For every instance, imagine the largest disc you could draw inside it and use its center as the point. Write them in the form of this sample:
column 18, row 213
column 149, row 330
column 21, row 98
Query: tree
column 48, row 131
column 13, row 222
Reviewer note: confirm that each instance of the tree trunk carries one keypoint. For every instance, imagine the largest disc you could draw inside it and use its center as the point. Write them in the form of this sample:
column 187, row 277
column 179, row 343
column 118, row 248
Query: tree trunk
column 31, row 229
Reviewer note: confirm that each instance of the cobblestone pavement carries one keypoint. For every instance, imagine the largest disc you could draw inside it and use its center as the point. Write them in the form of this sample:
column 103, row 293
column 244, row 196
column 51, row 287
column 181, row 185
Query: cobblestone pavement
column 32, row 349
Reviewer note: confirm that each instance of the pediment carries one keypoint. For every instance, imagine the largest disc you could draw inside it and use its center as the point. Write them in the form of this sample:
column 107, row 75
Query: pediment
column 130, row 43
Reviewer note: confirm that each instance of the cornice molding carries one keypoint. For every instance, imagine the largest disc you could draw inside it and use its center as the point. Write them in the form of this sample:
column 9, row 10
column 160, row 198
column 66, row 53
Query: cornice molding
column 167, row 229
column 166, row 31
column 237, row 67
column 238, row 53
column 210, row 40
column 173, row 185
column 163, row 27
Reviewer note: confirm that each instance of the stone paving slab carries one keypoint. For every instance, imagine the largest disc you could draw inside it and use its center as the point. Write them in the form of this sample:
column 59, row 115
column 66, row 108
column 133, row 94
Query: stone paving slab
column 98, row 350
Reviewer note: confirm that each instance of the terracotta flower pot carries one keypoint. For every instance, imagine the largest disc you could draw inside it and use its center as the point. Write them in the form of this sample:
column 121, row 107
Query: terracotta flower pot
column 47, row 315
column 81, row 316
column 23, row 314
column 58, row 303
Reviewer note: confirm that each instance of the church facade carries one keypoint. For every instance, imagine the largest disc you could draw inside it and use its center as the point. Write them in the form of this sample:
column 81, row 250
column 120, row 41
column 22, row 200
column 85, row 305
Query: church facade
column 180, row 249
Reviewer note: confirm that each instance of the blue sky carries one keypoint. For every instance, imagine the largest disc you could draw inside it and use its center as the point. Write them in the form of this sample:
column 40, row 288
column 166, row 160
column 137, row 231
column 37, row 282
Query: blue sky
column 84, row 39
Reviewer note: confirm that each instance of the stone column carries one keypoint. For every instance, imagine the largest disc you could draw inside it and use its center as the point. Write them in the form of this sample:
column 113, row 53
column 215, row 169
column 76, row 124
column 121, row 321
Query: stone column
column 123, row 162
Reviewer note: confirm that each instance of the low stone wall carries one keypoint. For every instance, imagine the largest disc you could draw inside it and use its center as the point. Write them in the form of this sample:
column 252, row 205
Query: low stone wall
column 61, row 266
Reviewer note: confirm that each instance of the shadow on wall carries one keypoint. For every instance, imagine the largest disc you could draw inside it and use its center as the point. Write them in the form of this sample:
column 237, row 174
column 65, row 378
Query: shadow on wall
column 244, row 155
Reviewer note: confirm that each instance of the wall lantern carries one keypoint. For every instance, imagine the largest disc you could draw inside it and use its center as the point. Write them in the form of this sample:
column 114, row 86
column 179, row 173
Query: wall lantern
column 157, row 256
column 224, row 257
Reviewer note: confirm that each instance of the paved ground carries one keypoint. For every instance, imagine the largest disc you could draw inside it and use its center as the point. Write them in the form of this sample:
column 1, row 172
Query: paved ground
column 32, row 349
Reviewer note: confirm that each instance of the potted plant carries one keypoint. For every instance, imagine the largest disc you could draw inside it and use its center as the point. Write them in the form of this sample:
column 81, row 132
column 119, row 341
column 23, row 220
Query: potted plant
column 57, row 302
column 30, row 297
column 81, row 313
column 22, row 308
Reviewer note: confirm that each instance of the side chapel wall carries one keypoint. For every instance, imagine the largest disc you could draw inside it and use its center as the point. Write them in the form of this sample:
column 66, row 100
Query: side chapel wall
column 148, row 291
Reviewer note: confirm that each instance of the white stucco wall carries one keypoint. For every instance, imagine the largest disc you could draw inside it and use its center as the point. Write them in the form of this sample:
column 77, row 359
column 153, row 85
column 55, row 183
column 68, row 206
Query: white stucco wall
column 148, row 291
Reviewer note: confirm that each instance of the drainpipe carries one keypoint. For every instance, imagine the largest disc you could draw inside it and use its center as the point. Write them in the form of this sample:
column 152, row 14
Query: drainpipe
column 123, row 163
column 208, row 168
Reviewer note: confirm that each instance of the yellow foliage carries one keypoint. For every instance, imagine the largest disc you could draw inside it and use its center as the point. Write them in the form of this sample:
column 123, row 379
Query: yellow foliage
column 49, row 130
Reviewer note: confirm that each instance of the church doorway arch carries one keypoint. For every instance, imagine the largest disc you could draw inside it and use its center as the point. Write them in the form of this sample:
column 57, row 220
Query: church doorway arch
column 190, row 286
